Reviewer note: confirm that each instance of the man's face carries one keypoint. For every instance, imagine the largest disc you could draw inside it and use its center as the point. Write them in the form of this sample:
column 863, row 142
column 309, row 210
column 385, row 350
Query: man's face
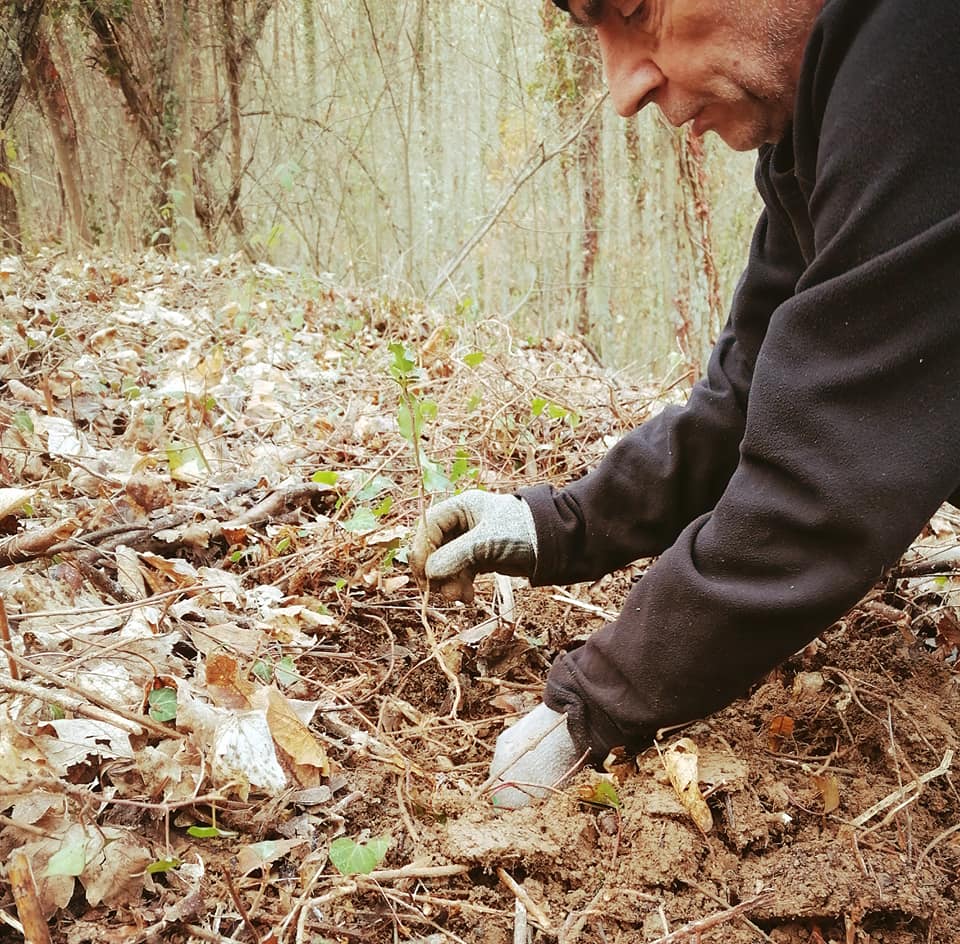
column 728, row 66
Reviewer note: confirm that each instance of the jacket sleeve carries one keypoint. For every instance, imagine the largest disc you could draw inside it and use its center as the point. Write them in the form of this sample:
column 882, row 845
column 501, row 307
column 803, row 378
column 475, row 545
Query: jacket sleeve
column 675, row 466
column 849, row 438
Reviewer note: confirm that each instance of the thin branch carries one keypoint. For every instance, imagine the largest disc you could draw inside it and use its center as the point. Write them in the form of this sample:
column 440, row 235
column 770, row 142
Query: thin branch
column 693, row 929
column 536, row 159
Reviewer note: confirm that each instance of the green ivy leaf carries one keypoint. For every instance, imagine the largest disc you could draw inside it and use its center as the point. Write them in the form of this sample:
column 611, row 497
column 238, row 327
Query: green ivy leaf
column 209, row 832
column 325, row 477
column 163, row 704
column 362, row 519
column 358, row 858
column 285, row 671
column 163, row 865
column 376, row 485
column 262, row 670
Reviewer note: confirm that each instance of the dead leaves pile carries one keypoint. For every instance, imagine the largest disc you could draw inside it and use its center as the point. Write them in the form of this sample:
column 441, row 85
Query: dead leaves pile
column 202, row 480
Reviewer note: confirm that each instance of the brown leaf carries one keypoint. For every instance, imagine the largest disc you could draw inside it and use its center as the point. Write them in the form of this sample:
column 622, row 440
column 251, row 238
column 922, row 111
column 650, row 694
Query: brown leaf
column 294, row 738
column 781, row 728
column 225, row 684
column 829, row 788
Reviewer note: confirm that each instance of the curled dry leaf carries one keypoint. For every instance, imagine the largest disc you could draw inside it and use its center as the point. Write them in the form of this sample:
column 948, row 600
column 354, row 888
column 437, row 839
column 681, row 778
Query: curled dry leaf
column 681, row 761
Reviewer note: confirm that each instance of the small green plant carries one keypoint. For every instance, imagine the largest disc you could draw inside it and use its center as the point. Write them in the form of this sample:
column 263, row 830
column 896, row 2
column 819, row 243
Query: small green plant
column 350, row 857
column 163, row 704
column 163, row 865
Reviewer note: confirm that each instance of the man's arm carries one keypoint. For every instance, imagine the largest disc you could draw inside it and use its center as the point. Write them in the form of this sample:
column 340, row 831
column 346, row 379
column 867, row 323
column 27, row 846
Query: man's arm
column 849, row 441
column 674, row 467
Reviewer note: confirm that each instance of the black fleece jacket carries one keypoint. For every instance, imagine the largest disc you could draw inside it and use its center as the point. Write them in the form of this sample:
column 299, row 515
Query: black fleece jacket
column 826, row 431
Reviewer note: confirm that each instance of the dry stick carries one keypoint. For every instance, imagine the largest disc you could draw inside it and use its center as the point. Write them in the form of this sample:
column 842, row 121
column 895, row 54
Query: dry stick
column 7, row 642
column 417, row 871
column 520, row 931
column 905, row 792
column 930, row 846
column 693, row 929
column 536, row 159
column 947, row 563
column 24, row 889
column 576, row 920
column 244, row 916
column 23, row 547
column 709, row 894
column 69, row 703
column 520, row 893
column 121, row 717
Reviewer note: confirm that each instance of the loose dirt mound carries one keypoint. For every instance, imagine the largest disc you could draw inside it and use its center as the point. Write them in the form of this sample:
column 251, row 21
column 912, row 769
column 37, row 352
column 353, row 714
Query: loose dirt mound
column 229, row 715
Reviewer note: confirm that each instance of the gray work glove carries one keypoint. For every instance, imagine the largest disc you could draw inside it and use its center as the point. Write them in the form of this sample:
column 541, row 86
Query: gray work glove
column 535, row 754
column 472, row 533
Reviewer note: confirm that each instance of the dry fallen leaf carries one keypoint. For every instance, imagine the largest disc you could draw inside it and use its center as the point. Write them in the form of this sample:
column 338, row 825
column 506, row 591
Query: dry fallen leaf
column 781, row 728
column 829, row 788
column 293, row 737
column 682, row 764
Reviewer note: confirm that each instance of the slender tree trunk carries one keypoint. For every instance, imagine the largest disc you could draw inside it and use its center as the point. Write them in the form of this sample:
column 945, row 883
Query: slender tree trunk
column 47, row 88
column 19, row 20
column 178, row 128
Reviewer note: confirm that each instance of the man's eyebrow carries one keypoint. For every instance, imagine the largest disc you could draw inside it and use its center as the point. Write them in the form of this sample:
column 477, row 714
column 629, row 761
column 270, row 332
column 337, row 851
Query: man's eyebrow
column 590, row 15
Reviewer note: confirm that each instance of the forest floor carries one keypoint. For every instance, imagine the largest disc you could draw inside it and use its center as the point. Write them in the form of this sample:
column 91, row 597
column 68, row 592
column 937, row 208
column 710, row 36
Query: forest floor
column 228, row 714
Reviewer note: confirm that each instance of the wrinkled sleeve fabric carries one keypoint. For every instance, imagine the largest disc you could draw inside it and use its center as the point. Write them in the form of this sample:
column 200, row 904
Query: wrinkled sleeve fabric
column 800, row 469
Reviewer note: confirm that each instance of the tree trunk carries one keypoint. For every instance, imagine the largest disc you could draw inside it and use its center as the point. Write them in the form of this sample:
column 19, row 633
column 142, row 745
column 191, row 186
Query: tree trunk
column 47, row 88
column 178, row 126
column 18, row 25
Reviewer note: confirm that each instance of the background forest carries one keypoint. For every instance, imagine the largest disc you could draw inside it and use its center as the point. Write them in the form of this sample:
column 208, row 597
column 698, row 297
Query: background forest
column 460, row 152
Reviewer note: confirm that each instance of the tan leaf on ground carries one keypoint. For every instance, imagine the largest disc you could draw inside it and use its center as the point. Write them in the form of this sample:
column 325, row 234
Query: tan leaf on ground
column 293, row 737
column 682, row 764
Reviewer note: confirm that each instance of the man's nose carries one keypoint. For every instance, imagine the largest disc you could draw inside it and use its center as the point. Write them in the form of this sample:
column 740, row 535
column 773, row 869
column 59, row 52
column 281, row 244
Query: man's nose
column 631, row 74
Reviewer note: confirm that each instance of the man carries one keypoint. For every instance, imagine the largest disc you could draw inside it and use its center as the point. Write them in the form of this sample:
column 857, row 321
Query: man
column 826, row 431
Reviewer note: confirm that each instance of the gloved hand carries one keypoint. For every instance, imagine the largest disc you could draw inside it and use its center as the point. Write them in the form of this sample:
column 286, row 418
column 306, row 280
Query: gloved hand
column 471, row 533
column 535, row 754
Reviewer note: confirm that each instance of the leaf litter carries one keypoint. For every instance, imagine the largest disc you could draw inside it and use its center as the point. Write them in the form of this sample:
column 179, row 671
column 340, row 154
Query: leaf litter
column 226, row 713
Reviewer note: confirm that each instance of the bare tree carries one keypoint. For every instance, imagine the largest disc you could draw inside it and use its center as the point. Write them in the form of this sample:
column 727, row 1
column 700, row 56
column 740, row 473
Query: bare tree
column 48, row 91
column 19, row 20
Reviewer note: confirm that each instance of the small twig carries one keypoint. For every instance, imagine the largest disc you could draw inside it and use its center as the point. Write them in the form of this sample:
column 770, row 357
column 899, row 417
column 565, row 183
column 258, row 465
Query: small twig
column 716, row 898
column 575, row 921
column 520, row 931
column 115, row 715
column 24, row 890
column 417, row 871
column 930, row 846
column 69, row 703
column 520, row 893
column 30, row 544
column 7, row 642
column 561, row 597
column 693, row 929
column 238, row 902
column 906, row 793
